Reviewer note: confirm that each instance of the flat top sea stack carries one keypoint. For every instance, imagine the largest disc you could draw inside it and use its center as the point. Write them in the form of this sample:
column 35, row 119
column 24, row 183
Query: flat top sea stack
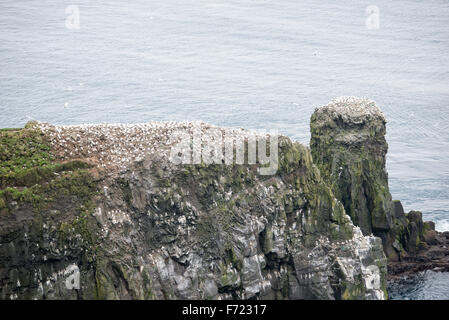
column 349, row 147
column 350, row 110
column 350, row 120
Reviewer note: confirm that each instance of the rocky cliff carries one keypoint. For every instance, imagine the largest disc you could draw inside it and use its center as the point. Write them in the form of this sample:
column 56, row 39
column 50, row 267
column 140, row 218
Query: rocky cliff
column 187, row 210
column 105, row 212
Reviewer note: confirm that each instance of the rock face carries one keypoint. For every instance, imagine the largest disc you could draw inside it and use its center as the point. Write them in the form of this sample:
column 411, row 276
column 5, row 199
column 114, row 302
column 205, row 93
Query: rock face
column 348, row 145
column 101, row 212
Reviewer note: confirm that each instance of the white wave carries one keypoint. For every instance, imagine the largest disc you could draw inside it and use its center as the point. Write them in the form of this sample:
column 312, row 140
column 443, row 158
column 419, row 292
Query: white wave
column 442, row 225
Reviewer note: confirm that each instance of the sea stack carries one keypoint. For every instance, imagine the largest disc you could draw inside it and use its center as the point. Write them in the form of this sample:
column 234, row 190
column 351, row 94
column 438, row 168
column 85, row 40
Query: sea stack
column 348, row 145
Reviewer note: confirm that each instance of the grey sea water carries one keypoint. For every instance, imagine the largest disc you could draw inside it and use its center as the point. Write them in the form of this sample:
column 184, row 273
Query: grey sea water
column 257, row 64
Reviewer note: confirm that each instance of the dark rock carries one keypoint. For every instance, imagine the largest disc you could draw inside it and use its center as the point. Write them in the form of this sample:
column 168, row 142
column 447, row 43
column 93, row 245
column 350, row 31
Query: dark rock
column 430, row 237
column 399, row 212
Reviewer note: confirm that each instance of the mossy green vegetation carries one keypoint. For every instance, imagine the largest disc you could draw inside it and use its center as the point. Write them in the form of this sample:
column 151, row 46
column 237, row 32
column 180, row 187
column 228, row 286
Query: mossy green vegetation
column 21, row 150
column 30, row 175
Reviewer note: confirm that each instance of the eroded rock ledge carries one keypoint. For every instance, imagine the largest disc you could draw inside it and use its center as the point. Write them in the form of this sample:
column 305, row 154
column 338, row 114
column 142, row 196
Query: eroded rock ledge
column 106, row 202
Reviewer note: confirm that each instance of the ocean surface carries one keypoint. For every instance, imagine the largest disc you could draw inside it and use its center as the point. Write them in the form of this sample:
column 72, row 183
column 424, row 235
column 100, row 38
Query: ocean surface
column 261, row 64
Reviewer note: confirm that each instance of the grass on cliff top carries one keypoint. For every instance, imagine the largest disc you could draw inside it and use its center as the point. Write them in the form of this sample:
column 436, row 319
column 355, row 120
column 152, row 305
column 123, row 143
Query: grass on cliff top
column 22, row 149
column 30, row 174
